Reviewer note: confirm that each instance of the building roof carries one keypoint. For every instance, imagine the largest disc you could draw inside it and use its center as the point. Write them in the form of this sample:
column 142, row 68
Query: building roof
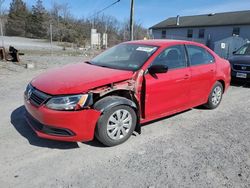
column 206, row 20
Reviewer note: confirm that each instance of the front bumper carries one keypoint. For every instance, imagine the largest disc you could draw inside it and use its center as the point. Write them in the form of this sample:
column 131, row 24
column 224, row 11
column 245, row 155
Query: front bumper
column 69, row 126
column 234, row 77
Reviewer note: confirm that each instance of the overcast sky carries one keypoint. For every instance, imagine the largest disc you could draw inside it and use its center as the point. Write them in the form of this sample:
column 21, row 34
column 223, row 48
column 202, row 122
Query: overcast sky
column 147, row 12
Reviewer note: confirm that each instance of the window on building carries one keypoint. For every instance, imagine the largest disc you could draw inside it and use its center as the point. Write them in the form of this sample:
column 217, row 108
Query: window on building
column 190, row 33
column 199, row 56
column 236, row 31
column 201, row 33
column 163, row 34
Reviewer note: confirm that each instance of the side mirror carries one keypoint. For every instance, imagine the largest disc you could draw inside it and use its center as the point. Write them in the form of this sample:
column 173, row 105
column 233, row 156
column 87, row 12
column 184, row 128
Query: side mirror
column 234, row 52
column 154, row 69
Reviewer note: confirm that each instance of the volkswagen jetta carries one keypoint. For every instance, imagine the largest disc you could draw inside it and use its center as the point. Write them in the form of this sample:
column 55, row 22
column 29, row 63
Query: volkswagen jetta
column 132, row 83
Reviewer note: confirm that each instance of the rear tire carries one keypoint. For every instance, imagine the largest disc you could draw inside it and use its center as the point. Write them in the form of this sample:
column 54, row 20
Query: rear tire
column 116, row 125
column 215, row 96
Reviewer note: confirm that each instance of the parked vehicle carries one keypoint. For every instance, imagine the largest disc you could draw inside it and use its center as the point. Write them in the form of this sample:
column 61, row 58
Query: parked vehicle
column 240, row 63
column 128, row 85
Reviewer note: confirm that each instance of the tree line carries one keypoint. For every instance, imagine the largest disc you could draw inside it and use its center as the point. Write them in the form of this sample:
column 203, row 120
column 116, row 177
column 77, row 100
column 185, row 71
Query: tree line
column 35, row 22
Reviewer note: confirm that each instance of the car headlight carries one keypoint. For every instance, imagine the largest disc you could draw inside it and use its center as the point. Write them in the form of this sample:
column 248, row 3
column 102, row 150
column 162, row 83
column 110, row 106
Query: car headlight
column 72, row 102
column 28, row 88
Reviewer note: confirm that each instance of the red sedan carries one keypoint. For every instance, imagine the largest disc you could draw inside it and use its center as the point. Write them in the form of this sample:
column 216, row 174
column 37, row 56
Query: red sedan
column 132, row 83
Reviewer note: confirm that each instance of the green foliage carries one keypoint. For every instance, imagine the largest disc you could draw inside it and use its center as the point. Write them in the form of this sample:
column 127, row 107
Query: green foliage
column 35, row 23
column 16, row 25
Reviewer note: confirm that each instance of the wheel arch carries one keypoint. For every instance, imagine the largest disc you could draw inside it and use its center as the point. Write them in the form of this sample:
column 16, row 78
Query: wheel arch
column 111, row 101
column 223, row 84
column 116, row 98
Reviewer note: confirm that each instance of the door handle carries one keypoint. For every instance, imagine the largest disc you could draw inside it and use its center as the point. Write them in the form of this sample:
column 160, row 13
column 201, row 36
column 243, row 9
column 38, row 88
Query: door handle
column 184, row 78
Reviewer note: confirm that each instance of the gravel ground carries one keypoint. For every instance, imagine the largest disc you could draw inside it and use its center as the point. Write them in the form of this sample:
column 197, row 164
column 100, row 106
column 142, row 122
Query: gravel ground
column 196, row 148
column 29, row 44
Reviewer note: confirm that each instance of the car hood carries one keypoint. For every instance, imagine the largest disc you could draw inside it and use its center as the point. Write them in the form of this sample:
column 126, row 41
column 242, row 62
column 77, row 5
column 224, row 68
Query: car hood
column 242, row 59
column 77, row 78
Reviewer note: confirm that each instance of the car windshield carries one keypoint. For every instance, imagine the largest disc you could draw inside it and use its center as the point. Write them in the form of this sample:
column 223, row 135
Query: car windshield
column 244, row 50
column 124, row 56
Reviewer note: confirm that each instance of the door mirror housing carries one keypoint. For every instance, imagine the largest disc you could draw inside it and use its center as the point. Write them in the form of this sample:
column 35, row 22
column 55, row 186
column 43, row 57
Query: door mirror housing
column 154, row 69
column 234, row 52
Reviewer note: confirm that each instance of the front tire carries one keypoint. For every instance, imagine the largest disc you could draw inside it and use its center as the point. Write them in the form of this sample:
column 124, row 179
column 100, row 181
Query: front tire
column 116, row 125
column 215, row 96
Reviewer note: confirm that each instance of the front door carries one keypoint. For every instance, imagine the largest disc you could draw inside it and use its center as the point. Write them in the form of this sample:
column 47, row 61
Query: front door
column 168, row 92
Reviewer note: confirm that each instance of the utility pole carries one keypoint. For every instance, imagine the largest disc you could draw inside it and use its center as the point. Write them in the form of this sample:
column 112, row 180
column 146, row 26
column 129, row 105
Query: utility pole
column 106, row 36
column 1, row 30
column 131, row 26
column 51, row 38
column 1, row 22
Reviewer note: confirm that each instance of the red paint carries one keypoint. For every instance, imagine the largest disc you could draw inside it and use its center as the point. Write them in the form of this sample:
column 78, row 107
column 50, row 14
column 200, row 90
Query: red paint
column 169, row 93
column 77, row 78
column 82, row 123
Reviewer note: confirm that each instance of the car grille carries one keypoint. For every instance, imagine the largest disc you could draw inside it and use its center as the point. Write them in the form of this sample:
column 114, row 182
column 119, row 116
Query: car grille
column 36, row 97
column 241, row 67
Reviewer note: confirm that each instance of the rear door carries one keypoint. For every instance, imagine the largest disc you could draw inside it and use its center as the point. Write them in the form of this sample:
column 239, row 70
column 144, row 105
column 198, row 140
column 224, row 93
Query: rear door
column 203, row 67
column 168, row 92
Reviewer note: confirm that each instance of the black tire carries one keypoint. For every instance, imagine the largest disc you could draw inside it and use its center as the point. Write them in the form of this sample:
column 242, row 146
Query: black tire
column 102, row 126
column 211, row 104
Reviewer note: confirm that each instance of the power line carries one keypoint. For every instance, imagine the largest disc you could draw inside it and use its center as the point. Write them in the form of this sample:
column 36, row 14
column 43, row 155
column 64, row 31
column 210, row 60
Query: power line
column 98, row 12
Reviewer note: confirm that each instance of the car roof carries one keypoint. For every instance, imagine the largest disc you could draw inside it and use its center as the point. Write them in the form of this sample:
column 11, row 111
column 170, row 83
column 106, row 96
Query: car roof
column 162, row 42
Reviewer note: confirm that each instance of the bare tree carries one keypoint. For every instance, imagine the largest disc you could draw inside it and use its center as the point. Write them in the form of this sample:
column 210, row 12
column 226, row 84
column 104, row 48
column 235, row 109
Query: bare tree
column 66, row 28
column 139, row 31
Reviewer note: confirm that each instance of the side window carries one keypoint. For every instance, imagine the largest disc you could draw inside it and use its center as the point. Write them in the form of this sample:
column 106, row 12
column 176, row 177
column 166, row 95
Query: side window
column 201, row 33
column 236, row 31
column 173, row 57
column 199, row 56
column 190, row 33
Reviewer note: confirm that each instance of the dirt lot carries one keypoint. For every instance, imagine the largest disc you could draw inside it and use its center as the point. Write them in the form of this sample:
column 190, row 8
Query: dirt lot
column 197, row 148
